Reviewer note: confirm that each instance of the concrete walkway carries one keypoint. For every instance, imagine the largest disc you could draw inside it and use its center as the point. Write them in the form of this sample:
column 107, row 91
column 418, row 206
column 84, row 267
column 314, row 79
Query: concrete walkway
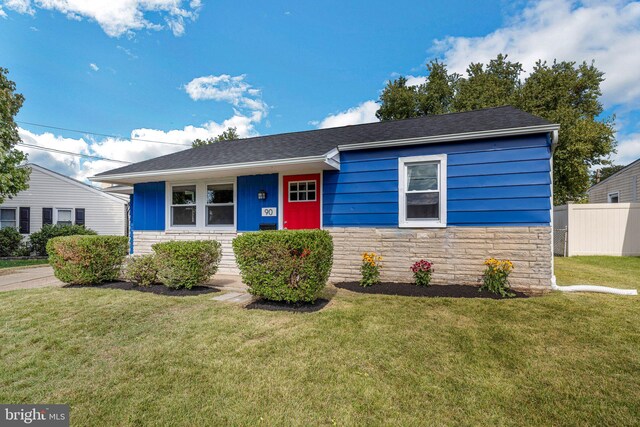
column 27, row 278
column 234, row 290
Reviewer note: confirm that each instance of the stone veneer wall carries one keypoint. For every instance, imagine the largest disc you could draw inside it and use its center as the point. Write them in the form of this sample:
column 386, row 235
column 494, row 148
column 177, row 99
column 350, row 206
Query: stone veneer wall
column 458, row 253
column 142, row 241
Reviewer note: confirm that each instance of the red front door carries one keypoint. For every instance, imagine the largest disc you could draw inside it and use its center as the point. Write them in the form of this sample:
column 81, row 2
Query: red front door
column 301, row 201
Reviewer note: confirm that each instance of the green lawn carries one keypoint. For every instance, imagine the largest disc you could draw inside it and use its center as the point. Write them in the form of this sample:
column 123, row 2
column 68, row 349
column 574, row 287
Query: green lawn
column 127, row 358
column 620, row 272
column 21, row 262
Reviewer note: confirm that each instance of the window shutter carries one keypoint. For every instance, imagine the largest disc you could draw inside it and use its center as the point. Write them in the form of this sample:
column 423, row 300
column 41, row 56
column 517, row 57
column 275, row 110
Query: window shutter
column 25, row 220
column 47, row 216
column 80, row 216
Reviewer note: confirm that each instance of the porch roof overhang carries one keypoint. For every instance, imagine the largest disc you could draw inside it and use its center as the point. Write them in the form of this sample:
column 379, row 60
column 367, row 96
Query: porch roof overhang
column 327, row 161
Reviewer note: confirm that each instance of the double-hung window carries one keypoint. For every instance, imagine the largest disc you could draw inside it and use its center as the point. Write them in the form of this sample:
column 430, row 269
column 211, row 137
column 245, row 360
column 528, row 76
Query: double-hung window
column 63, row 217
column 8, row 218
column 422, row 191
column 220, row 204
column 183, row 205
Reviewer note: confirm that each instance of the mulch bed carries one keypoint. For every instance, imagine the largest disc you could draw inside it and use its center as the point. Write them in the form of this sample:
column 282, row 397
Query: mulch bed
column 262, row 304
column 154, row 289
column 412, row 290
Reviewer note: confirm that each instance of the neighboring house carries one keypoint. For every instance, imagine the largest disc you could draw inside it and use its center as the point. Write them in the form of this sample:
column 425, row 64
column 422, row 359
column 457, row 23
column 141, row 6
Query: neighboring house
column 621, row 187
column 53, row 198
column 454, row 189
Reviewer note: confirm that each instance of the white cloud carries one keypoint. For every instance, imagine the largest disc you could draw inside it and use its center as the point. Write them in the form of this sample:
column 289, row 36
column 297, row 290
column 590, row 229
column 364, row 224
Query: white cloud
column 628, row 149
column 127, row 52
column 363, row 113
column 232, row 89
column 118, row 17
column 605, row 31
column 94, row 67
column 415, row 80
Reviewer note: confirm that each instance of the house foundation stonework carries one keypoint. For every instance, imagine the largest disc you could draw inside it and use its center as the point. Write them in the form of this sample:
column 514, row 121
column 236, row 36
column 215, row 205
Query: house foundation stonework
column 143, row 240
column 458, row 253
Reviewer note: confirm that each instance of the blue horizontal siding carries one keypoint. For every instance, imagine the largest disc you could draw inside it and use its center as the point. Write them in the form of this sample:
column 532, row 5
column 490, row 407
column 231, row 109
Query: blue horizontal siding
column 149, row 206
column 498, row 192
column 504, row 181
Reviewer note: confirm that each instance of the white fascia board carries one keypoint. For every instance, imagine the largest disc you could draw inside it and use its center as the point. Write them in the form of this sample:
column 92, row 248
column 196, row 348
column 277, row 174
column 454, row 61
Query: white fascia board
column 452, row 137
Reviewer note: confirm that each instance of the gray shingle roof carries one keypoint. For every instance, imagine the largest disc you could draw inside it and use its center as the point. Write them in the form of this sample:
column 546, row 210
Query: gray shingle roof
column 318, row 142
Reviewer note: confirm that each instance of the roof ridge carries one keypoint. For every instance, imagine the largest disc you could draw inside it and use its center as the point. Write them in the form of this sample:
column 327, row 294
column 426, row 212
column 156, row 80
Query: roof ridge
column 426, row 116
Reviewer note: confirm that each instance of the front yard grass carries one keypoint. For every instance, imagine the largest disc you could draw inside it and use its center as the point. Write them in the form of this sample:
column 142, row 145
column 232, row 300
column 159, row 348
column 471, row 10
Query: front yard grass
column 5, row 263
column 129, row 358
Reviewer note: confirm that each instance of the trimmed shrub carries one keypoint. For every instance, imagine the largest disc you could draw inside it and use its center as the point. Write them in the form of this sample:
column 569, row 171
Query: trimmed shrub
column 87, row 260
column 40, row 238
column 187, row 263
column 10, row 240
column 141, row 270
column 285, row 265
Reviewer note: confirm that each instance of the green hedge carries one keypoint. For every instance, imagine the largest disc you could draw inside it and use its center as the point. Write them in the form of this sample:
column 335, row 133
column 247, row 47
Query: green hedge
column 87, row 260
column 40, row 238
column 10, row 240
column 187, row 263
column 285, row 265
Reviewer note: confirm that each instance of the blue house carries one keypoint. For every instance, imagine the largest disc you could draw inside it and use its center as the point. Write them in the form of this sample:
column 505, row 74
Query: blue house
column 454, row 189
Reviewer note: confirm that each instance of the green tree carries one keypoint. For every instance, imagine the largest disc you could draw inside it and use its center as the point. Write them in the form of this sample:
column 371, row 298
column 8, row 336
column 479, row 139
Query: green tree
column 228, row 135
column 563, row 93
column 497, row 84
column 398, row 101
column 13, row 178
column 436, row 95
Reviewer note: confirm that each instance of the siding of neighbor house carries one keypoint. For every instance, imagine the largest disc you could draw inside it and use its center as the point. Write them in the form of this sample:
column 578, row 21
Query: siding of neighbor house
column 103, row 213
column 497, row 182
column 625, row 183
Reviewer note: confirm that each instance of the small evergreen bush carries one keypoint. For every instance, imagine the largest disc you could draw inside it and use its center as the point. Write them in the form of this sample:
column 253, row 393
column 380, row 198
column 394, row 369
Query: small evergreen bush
column 87, row 260
column 141, row 270
column 40, row 238
column 187, row 263
column 285, row 265
column 10, row 240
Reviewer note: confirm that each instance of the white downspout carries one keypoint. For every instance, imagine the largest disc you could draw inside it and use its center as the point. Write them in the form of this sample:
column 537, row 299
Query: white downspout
column 575, row 288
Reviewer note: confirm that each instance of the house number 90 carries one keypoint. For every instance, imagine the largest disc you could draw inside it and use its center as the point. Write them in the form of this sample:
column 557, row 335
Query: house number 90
column 269, row 211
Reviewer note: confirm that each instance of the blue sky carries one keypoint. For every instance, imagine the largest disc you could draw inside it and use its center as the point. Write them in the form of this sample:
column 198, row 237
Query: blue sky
column 190, row 69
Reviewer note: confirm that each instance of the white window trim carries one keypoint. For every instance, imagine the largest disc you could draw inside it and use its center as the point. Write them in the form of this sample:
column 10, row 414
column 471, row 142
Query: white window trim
column 234, row 203
column 201, row 203
column 55, row 215
column 615, row 193
column 442, row 183
column 15, row 215
column 171, row 205
column 307, row 181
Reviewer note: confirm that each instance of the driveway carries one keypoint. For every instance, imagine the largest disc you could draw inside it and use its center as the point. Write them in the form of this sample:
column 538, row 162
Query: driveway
column 27, row 278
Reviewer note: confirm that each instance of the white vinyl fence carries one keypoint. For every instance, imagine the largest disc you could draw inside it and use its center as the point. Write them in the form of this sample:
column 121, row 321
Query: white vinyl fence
column 597, row 229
